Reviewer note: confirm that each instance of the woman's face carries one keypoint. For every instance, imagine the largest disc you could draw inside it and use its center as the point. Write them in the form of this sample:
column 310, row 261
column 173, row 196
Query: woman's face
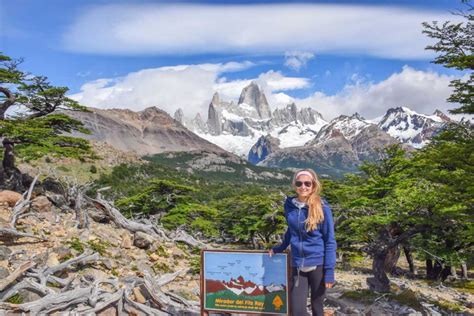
column 304, row 186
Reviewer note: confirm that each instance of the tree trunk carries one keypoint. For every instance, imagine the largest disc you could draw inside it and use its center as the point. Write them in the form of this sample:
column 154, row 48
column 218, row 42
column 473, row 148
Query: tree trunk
column 8, row 162
column 409, row 257
column 464, row 270
column 453, row 272
column 445, row 272
column 436, row 271
column 11, row 177
column 380, row 281
column 429, row 268
column 391, row 259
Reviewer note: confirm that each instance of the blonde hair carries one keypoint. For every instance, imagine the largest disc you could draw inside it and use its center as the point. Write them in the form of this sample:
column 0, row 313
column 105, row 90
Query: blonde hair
column 315, row 208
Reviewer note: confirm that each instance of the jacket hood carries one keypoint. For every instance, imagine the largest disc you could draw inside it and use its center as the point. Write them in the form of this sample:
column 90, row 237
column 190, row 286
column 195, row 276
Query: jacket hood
column 289, row 205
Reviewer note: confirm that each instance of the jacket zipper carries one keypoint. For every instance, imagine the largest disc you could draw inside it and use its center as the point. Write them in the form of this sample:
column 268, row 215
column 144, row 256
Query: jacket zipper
column 301, row 237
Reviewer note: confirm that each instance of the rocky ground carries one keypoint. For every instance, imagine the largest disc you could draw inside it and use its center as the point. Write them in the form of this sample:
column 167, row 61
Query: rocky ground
column 351, row 296
column 121, row 256
column 128, row 256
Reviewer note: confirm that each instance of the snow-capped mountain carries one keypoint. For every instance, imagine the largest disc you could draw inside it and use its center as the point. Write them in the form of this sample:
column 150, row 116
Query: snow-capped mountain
column 240, row 286
column 412, row 128
column 347, row 126
column 238, row 127
column 293, row 137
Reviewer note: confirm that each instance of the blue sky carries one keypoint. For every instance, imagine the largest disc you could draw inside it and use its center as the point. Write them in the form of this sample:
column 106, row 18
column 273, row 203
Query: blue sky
column 338, row 57
column 219, row 266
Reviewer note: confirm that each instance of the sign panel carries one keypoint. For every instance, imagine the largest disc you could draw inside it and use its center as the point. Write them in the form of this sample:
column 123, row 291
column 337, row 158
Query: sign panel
column 244, row 281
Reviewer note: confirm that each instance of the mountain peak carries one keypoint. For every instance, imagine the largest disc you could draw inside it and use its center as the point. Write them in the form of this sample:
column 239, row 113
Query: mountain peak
column 411, row 127
column 215, row 99
column 254, row 97
column 442, row 116
column 357, row 116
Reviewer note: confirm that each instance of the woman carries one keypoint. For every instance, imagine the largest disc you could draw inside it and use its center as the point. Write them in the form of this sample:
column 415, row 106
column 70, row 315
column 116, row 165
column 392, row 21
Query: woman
column 313, row 247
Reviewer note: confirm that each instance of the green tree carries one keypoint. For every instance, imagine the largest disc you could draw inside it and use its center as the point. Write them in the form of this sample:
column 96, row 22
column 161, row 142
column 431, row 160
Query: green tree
column 388, row 206
column 448, row 164
column 249, row 218
column 39, row 129
column 455, row 45
column 159, row 196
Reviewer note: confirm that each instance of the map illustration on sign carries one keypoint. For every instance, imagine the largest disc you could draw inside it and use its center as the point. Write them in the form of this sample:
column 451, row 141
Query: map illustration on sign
column 245, row 281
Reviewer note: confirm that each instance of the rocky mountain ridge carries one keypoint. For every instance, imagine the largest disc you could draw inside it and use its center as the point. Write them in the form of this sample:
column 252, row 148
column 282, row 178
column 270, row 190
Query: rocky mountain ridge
column 146, row 132
column 300, row 134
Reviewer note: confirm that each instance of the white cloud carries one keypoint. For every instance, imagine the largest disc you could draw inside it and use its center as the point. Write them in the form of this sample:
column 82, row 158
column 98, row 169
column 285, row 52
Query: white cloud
column 297, row 60
column 389, row 32
column 421, row 91
column 189, row 87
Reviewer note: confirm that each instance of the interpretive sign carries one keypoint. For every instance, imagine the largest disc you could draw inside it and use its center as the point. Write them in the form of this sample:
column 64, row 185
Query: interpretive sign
column 244, row 281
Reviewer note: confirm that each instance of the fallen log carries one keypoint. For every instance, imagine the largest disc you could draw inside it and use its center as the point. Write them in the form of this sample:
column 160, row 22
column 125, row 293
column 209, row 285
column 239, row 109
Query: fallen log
column 123, row 222
column 169, row 277
column 183, row 236
column 51, row 302
column 16, row 274
column 21, row 206
column 43, row 274
column 103, row 302
column 11, row 233
column 25, row 284
column 141, row 307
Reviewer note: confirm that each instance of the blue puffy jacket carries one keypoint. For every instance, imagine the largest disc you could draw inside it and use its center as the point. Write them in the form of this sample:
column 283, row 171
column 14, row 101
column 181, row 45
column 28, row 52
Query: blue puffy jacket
column 313, row 248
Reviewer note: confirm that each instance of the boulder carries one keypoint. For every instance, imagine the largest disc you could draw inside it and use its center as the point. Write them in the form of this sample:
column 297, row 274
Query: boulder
column 41, row 204
column 138, row 295
column 126, row 241
column 9, row 197
column 28, row 296
column 58, row 200
column 142, row 240
column 5, row 253
column 4, row 273
column 98, row 216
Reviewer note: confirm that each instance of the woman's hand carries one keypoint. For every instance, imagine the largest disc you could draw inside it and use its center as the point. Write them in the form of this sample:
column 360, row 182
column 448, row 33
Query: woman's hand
column 270, row 252
column 329, row 285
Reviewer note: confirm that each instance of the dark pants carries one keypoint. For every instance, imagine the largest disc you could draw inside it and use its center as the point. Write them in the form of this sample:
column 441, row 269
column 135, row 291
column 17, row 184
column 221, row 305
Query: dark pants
column 299, row 294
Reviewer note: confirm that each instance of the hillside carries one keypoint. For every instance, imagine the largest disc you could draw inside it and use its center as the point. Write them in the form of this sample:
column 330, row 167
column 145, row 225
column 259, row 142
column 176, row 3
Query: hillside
column 104, row 269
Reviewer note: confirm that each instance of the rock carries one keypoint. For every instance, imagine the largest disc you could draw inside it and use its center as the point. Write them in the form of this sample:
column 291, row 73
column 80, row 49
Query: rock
column 95, row 274
column 57, row 199
column 52, row 260
column 142, row 240
column 62, row 252
column 9, row 197
column 262, row 148
column 98, row 216
column 108, row 263
column 110, row 311
column 154, row 257
column 126, row 241
column 178, row 253
column 59, row 232
column 28, row 296
column 53, row 185
column 4, row 273
column 40, row 258
column 41, row 204
column 5, row 253
column 138, row 295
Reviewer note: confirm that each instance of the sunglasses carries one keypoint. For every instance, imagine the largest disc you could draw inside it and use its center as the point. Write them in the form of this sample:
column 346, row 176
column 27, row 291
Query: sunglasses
column 307, row 184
